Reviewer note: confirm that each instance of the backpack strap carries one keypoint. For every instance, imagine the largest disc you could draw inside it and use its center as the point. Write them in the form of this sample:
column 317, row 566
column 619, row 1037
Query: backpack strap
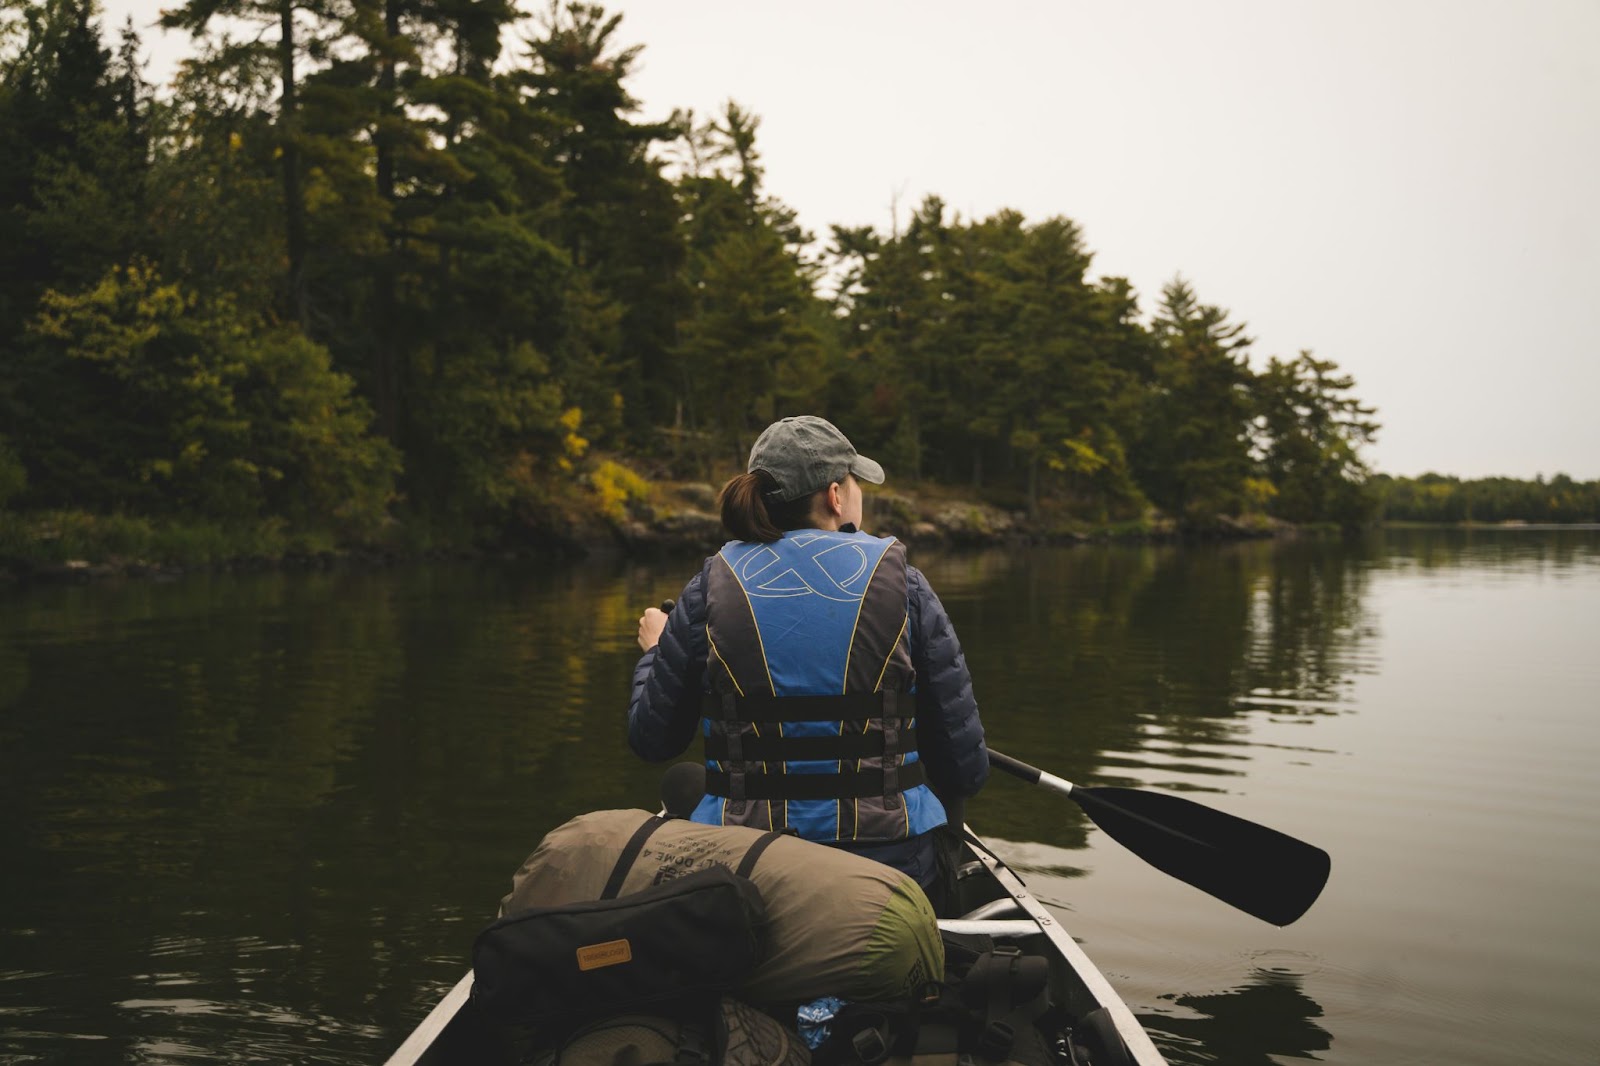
column 864, row 1034
column 748, row 863
column 636, row 843
column 630, row 853
column 1005, row 991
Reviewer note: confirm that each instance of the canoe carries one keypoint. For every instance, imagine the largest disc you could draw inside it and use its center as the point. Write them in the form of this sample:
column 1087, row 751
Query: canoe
column 996, row 903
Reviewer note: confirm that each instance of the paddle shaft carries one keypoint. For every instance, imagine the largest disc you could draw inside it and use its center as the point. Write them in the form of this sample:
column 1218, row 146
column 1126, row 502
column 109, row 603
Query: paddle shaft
column 1031, row 774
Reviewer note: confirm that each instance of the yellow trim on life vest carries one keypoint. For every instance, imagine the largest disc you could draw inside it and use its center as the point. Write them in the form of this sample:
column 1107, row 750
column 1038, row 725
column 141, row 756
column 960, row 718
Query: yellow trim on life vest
column 754, row 621
column 838, row 804
column 724, row 662
column 755, row 727
column 844, row 685
column 855, row 807
column 905, row 803
column 903, row 624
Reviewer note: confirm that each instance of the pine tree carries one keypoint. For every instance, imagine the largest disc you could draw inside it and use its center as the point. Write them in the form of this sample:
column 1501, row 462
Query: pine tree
column 289, row 30
column 1308, row 434
column 617, row 222
column 1194, row 456
column 73, row 166
column 751, row 344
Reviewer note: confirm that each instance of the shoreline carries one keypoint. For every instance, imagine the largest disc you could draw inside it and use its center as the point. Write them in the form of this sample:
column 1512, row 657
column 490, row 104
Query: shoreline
column 672, row 519
column 688, row 531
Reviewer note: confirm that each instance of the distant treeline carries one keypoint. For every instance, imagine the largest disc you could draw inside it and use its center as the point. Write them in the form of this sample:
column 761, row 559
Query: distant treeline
column 360, row 264
column 1435, row 498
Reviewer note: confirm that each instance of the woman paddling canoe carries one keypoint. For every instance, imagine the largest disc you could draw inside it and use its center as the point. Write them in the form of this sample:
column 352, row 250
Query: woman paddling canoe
column 819, row 666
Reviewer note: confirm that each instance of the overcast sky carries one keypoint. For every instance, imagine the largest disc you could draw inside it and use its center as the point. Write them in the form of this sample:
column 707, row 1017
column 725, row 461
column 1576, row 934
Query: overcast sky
column 1404, row 187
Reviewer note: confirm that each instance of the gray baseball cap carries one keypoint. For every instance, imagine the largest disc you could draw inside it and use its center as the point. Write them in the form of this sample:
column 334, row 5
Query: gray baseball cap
column 805, row 453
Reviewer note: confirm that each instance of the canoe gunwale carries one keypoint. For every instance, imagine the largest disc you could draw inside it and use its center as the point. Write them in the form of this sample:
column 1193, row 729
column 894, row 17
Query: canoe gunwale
column 433, row 1026
column 1092, row 989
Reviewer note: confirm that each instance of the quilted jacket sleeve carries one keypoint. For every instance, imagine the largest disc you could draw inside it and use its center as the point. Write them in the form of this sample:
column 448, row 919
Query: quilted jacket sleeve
column 665, row 706
column 949, row 733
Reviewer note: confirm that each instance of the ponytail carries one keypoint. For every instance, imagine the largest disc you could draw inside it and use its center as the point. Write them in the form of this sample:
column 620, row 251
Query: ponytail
column 750, row 515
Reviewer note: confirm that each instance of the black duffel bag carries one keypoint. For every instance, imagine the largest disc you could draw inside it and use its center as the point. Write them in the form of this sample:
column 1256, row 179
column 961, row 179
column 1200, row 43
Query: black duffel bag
column 690, row 937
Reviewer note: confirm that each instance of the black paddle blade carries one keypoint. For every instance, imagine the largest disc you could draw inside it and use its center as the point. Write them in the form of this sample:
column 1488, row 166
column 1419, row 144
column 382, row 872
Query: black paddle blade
column 1259, row 870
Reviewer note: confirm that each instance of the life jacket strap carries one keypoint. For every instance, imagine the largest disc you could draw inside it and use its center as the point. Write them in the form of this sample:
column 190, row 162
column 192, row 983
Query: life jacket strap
column 891, row 770
column 735, row 755
column 849, row 784
column 771, row 747
column 857, row 706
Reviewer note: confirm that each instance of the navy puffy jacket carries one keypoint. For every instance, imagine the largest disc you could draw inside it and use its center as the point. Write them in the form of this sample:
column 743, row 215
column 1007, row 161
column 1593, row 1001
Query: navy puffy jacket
column 669, row 680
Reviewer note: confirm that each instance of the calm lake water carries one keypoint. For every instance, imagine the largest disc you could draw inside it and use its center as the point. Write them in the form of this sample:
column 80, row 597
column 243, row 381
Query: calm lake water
column 259, row 819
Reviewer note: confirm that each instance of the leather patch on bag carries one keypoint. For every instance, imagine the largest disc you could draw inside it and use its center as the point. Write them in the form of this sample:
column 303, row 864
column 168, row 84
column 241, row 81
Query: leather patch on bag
column 611, row 953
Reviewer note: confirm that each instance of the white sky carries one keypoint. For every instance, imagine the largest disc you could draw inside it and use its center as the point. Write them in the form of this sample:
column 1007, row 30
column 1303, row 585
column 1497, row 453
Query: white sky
column 1405, row 187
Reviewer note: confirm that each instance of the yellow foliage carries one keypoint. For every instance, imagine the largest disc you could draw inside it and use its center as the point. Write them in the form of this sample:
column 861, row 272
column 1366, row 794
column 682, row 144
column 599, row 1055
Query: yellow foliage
column 617, row 486
column 125, row 310
column 572, row 445
column 1258, row 493
column 1079, row 457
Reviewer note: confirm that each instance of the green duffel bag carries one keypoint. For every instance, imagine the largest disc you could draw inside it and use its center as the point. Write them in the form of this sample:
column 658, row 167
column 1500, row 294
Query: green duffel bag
column 838, row 924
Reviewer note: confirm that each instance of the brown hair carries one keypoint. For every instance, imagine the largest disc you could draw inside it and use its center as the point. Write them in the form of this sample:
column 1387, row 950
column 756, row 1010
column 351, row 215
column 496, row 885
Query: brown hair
column 750, row 514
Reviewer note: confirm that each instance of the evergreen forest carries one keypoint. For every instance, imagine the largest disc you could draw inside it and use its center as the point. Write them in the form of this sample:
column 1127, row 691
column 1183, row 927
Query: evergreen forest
column 418, row 273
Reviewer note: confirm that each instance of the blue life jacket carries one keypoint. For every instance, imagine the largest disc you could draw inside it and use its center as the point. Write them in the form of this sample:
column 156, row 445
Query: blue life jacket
column 810, row 722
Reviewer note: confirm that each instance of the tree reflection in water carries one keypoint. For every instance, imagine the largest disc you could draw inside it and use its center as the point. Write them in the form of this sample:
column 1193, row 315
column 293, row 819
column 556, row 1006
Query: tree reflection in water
column 1267, row 1019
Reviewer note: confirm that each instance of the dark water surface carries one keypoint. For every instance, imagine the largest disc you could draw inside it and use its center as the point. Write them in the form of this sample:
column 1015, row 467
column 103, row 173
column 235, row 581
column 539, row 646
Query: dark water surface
column 258, row 819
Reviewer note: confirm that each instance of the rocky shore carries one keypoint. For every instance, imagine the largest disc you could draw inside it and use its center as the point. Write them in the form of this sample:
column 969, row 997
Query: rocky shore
column 683, row 518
